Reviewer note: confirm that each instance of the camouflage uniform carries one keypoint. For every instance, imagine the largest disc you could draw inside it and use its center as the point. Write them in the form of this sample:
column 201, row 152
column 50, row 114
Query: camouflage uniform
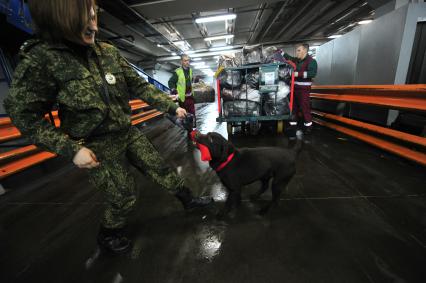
column 94, row 111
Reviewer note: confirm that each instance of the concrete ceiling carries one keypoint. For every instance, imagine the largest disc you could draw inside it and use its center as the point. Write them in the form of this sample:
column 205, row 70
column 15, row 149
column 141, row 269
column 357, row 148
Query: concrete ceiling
column 149, row 29
column 153, row 9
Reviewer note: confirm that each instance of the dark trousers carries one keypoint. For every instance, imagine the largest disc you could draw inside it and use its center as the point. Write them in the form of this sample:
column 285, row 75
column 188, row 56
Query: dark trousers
column 189, row 106
column 302, row 102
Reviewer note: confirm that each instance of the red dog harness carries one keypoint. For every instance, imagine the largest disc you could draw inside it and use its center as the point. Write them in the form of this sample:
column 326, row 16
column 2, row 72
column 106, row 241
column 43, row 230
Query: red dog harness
column 221, row 166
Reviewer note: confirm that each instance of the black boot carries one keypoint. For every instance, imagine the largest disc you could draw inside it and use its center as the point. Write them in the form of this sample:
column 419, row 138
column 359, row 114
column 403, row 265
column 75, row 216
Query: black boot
column 113, row 240
column 189, row 201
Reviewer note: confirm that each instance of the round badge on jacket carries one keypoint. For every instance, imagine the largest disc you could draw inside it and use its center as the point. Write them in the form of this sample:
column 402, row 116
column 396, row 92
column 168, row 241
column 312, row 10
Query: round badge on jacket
column 110, row 78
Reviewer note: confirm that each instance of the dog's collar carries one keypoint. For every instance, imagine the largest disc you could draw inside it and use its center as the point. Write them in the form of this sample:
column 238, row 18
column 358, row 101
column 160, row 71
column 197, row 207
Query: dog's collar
column 221, row 166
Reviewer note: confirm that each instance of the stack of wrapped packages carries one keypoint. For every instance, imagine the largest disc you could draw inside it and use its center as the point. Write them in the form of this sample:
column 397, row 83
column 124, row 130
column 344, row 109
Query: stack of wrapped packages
column 240, row 87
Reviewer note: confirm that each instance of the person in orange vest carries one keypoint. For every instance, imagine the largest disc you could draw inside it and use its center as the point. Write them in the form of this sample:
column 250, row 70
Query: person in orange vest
column 306, row 70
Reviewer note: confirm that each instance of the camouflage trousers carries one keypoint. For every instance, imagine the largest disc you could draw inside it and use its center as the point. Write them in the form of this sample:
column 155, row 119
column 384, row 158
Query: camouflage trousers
column 115, row 153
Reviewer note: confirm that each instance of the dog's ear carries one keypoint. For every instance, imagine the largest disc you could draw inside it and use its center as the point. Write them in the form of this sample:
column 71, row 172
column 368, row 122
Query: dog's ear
column 218, row 146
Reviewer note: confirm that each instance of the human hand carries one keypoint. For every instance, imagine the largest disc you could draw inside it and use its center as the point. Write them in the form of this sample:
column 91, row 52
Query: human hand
column 85, row 158
column 180, row 112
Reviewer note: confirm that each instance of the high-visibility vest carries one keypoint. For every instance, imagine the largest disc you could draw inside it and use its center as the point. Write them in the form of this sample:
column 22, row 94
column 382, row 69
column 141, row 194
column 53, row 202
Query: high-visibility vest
column 181, row 84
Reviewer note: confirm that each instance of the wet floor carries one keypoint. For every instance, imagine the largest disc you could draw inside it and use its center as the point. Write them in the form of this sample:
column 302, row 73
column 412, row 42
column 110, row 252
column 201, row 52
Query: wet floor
column 352, row 213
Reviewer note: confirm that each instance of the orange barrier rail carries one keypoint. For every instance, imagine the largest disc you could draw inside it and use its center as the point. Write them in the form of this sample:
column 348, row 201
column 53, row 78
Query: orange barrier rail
column 19, row 159
column 10, row 132
column 373, row 128
column 410, row 97
column 397, row 90
column 388, row 146
column 17, row 152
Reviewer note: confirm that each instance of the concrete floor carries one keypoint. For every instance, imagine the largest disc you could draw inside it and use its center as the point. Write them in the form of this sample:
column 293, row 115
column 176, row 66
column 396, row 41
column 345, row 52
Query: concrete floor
column 351, row 214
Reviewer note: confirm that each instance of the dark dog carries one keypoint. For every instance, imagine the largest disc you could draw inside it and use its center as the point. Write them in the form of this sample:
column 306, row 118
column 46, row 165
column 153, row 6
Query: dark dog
column 237, row 167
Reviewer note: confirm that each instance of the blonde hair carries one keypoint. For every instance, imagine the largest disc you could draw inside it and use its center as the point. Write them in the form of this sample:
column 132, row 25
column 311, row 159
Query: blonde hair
column 55, row 20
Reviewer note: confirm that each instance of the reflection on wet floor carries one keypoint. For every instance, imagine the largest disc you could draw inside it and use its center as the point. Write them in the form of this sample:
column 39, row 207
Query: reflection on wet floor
column 218, row 192
column 206, row 119
column 210, row 238
column 351, row 214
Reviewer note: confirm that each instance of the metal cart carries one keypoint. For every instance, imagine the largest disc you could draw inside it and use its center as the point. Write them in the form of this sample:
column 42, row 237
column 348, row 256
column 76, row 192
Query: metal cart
column 252, row 113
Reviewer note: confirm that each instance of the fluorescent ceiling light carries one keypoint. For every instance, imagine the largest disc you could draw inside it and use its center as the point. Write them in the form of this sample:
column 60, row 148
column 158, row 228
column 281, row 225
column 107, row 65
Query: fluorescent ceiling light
column 221, row 48
column 189, row 51
column 335, row 36
column 215, row 18
column 150, row 3
column 219, row 37
column 364, row 22
column 179, row 42
column 174, row 53
column 196, row 59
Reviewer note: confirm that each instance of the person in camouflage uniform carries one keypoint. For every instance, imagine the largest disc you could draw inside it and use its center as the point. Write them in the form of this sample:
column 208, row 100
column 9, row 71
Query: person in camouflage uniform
column 91, row 84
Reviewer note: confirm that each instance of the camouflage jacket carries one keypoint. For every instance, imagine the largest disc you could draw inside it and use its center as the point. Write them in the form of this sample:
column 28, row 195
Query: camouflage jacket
column 90, row 100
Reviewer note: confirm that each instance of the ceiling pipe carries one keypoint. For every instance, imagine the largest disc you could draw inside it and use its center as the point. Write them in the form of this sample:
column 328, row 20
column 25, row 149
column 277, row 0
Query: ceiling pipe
column 345, row 7
column 295, row 17
column 190, row 19
column 200, row 27
column 279, row 8
column 231, row 27
column 312, row 15
column 130, row 17
column 128, row 37
column 148, row 2
column 114, row 36
column 256, row 22
column 120, row 39
column 357, row 13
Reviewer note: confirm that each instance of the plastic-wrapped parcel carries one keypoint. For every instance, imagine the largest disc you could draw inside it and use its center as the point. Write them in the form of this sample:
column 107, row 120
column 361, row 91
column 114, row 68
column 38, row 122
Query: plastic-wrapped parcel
column 241, row 108
column 277, row 104
column 230, row 78
column 252, row 54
